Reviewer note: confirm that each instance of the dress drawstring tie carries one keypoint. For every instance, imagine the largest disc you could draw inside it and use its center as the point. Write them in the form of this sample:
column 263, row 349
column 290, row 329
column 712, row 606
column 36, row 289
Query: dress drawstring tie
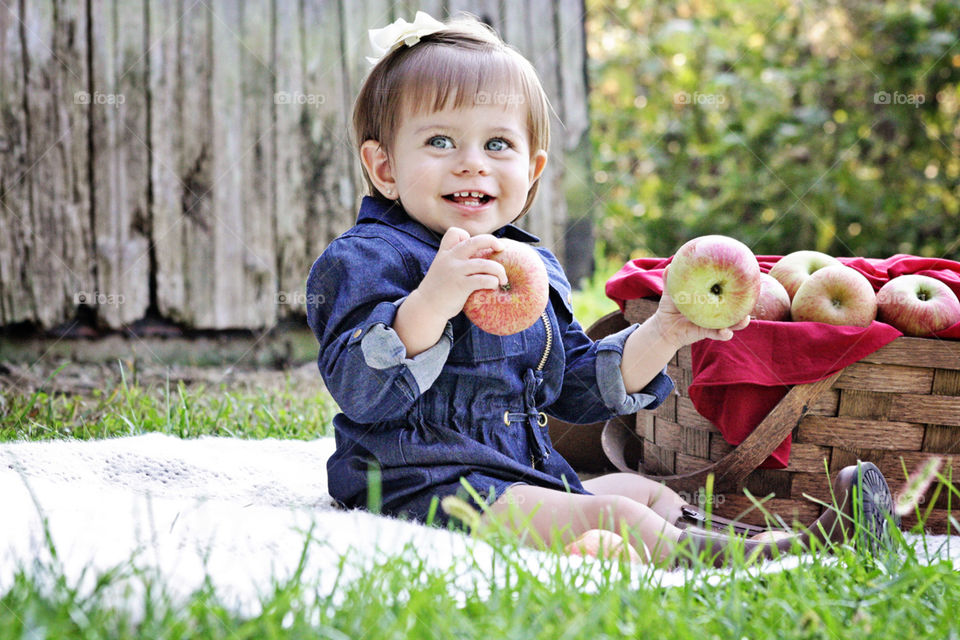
column 534, row 420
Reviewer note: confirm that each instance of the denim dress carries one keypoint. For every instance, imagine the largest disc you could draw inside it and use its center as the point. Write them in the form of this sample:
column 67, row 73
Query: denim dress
column 473, row 406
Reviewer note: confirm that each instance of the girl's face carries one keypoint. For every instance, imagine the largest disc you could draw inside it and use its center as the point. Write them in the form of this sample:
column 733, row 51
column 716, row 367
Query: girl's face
column 469, row 167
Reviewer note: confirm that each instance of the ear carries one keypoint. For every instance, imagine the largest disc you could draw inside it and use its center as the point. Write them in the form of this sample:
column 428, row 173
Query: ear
column 377, row 163
column 538, row 162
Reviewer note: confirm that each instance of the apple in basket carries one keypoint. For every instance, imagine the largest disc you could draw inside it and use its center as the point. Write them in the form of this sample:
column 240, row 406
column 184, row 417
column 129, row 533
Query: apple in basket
column 792, row 269
column 838, row 295
column 714, row 281
column 917, row 305
column 516, row 305
column 774, row 301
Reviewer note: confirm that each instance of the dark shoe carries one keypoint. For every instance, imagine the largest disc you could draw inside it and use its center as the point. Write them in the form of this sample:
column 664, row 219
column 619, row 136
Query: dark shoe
column 717, row 547
column 691, row 516
column 861, row 495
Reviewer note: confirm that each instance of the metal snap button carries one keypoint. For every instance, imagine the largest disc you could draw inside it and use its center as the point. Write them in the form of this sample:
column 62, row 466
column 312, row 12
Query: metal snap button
column 356, row 334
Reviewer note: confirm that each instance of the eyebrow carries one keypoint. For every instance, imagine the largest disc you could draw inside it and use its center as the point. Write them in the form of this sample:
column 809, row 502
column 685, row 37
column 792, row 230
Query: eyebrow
column 496, row 130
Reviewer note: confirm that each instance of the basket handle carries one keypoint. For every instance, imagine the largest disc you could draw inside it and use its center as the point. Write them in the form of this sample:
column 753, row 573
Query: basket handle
column 732, row 469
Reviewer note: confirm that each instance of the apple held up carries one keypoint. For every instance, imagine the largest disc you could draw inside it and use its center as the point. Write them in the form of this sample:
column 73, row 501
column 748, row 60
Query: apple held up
column 837, row 295
column 792, row 269
column 714, row 281
column 917, row 305
column 518, row 304
column 774, row 301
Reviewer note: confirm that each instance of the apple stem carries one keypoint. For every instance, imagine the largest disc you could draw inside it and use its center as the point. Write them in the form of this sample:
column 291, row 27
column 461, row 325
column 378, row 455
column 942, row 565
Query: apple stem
column 716, row 289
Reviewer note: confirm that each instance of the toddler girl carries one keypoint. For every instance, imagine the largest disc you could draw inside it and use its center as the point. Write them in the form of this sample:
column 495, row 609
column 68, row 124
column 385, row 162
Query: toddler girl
column 452, row 129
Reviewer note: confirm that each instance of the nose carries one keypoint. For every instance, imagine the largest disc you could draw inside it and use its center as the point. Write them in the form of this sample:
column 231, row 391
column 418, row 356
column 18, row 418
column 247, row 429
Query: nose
column 471, row 161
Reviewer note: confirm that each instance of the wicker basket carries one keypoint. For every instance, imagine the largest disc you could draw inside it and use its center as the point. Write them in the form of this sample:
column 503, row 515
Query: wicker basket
column 896, row 408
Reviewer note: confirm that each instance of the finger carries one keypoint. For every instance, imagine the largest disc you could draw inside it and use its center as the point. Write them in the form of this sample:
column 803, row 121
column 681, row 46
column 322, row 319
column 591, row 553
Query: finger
column 479, row 281
column 489, row 267
column 481, row 246
column 453, row 237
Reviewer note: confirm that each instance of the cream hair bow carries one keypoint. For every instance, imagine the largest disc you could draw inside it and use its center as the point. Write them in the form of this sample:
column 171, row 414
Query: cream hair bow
column 400, row 32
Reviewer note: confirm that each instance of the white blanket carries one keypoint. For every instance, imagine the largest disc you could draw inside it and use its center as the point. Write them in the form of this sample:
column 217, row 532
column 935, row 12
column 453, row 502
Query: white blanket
column 236, row 512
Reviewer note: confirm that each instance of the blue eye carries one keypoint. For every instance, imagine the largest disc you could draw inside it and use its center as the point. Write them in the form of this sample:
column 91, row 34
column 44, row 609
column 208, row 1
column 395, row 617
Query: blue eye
column 497, row 144
column 440, row 142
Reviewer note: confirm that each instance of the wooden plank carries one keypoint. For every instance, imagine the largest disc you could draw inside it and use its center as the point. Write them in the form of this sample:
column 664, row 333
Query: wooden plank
column 941, row 439
column 668, row 435
column 696, row 442
column 936, row 523
column 765, row 481
column 658, row 460
column 929, row 409
column 791, row 511
column 718, row 446
column 16, row 299
column 687, row 463
column 537, row 40
column 864, row 433
column 578, row 184
column 855, row 403
column 808, row 458
column 252, row 25
column 51, row 186
column 640, row 309
column 646, row 425
column 826, row 404
column 946, row 382
column 239, row 269
column 120, row 162
column 932, row 352
column 687, row 415
column 181, row 88
column 329, row 159
column 898, row 465
column 668, row 409
column 887, row 377
column 816, row 485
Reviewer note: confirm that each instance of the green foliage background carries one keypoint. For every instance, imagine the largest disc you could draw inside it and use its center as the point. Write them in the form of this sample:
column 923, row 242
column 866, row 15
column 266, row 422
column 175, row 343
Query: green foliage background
column 789, row 124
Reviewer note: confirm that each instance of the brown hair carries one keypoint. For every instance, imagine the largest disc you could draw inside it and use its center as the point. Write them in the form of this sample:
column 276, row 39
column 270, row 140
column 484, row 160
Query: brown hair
column 462, row 64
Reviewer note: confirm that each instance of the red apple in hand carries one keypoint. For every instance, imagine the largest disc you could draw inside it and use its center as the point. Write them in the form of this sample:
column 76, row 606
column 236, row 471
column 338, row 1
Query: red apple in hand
column 917, row 305
column 792, row 269
column 517, row 305
column 774, row 301
column 837, row 295
column 714, row 281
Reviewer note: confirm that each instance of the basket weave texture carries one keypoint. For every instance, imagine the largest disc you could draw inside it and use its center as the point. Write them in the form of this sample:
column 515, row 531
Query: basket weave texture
column 897, row 408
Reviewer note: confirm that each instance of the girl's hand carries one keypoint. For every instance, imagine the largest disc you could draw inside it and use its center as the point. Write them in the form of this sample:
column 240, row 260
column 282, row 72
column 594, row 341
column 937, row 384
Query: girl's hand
column 459, row 269
column 677, row 330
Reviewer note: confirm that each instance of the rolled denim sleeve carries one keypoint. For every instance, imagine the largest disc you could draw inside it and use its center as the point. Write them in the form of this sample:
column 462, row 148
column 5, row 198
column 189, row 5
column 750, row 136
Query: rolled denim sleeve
column 353, row 292
column 383, row 349
column 610, row 379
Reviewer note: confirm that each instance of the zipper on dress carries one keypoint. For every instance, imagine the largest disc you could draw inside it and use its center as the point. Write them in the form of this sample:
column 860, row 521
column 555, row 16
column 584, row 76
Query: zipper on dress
column 546, row 348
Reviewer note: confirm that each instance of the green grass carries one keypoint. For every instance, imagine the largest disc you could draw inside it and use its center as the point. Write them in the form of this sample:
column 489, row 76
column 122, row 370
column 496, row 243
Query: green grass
column 836, row 596
column 125, row 409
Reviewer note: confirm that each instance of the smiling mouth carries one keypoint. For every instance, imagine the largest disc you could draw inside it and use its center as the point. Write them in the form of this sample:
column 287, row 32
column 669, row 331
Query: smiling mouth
column 469, row 198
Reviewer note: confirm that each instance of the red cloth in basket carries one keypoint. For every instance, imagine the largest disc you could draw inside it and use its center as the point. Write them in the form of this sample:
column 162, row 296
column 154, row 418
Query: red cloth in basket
column 736, row 383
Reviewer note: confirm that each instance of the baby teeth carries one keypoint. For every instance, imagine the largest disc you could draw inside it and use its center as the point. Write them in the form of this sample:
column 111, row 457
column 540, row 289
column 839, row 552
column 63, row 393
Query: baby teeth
column 467, row 194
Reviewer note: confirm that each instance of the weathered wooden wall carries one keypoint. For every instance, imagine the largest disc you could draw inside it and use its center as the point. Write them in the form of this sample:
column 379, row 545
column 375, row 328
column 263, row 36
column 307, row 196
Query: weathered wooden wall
column 191, row 159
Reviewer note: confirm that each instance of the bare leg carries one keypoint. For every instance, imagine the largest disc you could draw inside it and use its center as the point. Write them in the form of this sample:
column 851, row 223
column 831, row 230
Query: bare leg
column 663, row 500
column 560, row 517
